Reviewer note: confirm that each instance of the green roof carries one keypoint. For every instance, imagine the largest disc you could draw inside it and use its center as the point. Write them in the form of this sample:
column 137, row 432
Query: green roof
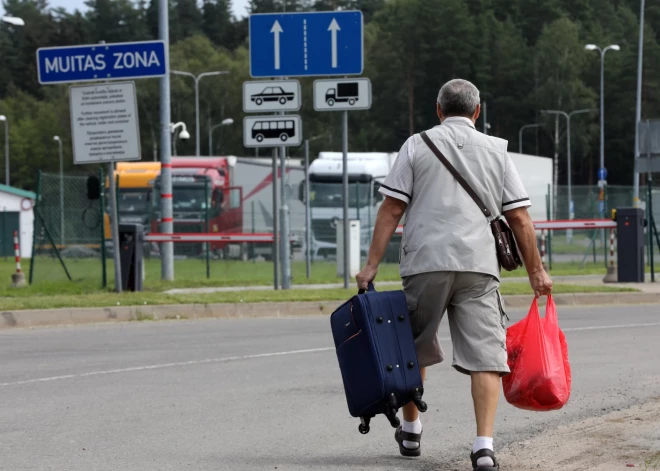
column 17, row 191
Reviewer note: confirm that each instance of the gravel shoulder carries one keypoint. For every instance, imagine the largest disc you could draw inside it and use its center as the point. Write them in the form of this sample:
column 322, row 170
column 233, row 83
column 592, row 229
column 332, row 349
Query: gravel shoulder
column 625, row 439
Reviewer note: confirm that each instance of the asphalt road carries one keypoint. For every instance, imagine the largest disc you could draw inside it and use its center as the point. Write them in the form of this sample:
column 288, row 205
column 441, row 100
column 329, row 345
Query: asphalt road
column 264, row 394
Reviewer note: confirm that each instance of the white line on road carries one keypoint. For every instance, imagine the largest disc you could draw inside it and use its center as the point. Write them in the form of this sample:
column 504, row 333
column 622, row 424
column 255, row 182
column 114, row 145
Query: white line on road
column 261, row 355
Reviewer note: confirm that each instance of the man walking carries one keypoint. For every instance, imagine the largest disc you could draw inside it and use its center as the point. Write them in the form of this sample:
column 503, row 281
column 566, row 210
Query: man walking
column 448, row 258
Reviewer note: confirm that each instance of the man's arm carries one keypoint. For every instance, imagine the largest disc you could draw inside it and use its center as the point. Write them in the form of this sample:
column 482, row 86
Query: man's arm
column 523, row 229
column 387, row 220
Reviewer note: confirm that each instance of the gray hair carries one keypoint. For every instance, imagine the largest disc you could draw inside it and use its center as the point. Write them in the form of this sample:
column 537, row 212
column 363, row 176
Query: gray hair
column 458, row 98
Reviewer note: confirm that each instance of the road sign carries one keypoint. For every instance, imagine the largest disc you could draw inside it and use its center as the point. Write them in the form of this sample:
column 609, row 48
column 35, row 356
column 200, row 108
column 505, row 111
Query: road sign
column 602, row 174
column 262, row 97
column 272, row 131
column 118, row 61
column 305, row 44
column 104, row 123
column 342, row 95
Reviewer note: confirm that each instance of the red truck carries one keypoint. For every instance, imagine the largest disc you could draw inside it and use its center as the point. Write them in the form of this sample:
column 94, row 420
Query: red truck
column 202, row 188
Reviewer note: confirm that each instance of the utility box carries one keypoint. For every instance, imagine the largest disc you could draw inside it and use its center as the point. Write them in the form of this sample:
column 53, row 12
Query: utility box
column 131, row 239
column 630, row 253
column 353, row 248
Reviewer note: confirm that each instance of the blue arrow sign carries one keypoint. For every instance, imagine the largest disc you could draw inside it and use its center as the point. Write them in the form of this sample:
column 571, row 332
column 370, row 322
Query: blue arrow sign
column 306, row 44
column 101, row 62
column 602, row 174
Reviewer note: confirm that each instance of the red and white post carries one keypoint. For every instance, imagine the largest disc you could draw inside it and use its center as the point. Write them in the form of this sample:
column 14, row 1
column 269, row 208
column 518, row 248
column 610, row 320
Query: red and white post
column 17, row 252
column 612, row 274
column 18, row 278
column 544, row 258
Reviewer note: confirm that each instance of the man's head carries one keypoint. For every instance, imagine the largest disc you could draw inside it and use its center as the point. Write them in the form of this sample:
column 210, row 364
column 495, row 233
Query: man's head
column 458, row 98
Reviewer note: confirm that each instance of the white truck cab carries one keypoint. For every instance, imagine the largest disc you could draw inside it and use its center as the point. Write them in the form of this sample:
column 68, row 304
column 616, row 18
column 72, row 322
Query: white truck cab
column 366, row 171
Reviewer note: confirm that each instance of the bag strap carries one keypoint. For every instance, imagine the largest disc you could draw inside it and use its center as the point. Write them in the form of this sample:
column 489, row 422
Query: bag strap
column 456, row 175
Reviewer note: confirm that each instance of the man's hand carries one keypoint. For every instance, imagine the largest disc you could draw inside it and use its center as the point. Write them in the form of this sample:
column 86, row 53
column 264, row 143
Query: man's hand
column 540, row 282
column 366, row 276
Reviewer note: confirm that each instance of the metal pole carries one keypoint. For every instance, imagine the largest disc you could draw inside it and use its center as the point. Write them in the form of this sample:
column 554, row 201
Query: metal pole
column 345, row 193
column 638, row 108
column 485, row 110
column 308, row 218
column 7, row 151
column 569, row 232
column 602, row 112
column 104, row 273
column 167, row 248
column 555, row 176
column 197, row 116
column 206, row 214
column 210, row 139
column 276, row 241
column 285, row 229
column 59, row 141
column 649, row 218
column 114, row 227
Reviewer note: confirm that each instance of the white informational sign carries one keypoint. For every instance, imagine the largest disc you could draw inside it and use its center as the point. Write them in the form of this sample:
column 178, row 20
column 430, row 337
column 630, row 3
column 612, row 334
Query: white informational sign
column 342, row 94
column 271, row 96
column 104, row 123
column 272, row 131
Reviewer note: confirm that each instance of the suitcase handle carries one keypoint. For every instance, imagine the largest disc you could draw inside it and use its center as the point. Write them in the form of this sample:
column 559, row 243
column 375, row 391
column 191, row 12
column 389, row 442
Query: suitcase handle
column 370, row 287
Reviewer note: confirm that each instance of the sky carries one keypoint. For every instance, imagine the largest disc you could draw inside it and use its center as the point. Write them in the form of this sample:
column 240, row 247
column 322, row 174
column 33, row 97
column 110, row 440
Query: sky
column 240, row 6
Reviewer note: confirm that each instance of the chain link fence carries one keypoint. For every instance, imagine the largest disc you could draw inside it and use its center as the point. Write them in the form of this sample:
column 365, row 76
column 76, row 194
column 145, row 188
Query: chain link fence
column 68, row 230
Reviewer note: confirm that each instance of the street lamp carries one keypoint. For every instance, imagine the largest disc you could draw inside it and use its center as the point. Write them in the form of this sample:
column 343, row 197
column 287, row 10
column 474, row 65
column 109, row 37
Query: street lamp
column 593, row 47
column 225, row 122
column 520, row 135
column 59, row 141
column 4, row 118
column 568, row 117
column 184, row 135
column 197, row 78
column 13, row 20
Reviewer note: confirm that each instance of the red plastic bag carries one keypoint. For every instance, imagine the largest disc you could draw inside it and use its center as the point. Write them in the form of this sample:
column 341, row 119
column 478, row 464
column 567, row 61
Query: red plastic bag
column 540, row 378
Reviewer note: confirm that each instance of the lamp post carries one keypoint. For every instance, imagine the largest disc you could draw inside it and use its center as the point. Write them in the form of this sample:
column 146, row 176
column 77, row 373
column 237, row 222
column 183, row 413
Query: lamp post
column 638, row 105
column 593, row 47
column 59, row 141
column 520, row 135
column 568, row 117
column 4, row 118
column 197, row 78
column 225, row 122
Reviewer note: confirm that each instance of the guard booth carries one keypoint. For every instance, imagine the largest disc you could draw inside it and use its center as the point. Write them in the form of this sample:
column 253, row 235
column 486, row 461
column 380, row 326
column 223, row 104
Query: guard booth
column 16, row 215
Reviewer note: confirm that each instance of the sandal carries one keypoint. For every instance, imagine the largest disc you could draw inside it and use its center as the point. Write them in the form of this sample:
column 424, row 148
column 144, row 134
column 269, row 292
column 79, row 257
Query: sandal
column 400, row 436
column 483, row 454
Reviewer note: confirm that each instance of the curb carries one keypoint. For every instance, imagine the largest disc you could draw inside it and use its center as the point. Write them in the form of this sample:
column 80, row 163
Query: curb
column 58, row 317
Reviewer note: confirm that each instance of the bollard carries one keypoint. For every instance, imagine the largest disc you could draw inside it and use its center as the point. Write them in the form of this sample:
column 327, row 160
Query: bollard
column 18, row 278
column 612, row 272
column 544, row 260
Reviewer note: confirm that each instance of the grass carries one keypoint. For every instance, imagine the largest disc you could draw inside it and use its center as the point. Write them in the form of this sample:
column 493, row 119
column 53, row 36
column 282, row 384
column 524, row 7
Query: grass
column 108, row 299
column 651, row 463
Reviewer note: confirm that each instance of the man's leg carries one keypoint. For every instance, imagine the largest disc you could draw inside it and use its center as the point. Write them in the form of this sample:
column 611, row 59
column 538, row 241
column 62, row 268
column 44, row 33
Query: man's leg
column 485, row 394
column 411, row 422
column 410, row 412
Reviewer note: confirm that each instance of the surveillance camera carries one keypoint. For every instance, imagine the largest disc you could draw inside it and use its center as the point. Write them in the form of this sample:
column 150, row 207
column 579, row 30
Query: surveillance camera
column 184, row 135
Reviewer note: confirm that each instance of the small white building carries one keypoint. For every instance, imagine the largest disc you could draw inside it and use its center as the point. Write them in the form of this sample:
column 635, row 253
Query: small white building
column 16, row 214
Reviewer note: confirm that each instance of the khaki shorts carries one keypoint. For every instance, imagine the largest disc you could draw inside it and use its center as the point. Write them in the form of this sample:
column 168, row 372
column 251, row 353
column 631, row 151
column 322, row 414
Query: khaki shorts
column 476, row 319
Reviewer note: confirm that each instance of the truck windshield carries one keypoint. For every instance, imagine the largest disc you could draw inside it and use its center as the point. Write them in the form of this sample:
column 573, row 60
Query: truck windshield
column 188, row 199
column 133, row 202
column 330, row 195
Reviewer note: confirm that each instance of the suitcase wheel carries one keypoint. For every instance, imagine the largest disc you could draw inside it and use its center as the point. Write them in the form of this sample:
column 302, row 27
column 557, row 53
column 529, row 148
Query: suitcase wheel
column 364, row 429
column 421, row 406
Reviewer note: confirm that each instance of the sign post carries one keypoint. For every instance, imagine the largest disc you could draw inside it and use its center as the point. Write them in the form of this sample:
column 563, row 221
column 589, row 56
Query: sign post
column 299, row 45
column 104, row 117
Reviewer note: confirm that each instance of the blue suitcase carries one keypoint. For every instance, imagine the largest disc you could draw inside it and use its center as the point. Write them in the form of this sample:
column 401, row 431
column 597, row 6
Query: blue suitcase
column 377, row 356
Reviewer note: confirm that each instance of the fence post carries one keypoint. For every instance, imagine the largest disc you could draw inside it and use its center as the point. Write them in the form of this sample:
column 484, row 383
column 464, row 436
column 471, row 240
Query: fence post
column 206, row 213
column 650, row 225
column 544, row 260
column 104, row 274
column 549, row 200
column 34, row 226
column 254, row 255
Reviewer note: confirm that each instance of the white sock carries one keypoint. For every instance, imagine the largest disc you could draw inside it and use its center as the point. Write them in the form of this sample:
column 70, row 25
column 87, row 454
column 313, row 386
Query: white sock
column 481, row 443
column 412, row 427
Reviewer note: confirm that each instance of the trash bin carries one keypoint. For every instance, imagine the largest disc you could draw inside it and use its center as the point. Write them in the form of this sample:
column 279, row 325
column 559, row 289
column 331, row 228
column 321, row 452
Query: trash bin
column 131, row 238
column 630, row 252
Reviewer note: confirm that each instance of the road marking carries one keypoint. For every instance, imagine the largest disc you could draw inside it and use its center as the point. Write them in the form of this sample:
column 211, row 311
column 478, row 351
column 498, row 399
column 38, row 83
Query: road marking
column 168, row 365
column 261, row 355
